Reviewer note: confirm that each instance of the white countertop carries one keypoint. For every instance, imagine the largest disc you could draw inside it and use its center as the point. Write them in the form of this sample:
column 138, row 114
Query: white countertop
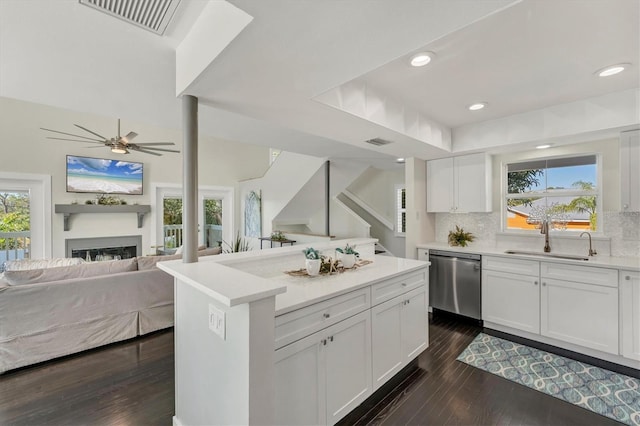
column 245, row 277
column 627, row 263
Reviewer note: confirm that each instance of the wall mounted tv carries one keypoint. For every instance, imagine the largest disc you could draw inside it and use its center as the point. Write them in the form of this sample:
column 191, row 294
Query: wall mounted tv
column 102, row 176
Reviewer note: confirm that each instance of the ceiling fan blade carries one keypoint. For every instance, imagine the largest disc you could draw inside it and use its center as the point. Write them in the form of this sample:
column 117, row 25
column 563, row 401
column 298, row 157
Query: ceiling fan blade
column 154, row 149
column 130, row 136
column 154, row 143
column 74, row 140
column 145, row 151
column 93, row 133
column 71, row 134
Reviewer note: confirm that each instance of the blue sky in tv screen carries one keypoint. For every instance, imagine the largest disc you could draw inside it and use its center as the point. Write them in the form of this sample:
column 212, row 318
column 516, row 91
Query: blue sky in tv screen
column 85, row 174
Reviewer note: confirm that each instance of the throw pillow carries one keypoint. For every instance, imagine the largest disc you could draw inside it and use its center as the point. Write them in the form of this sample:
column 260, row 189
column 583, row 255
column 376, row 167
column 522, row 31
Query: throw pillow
column 27, row 264
column 85, row 270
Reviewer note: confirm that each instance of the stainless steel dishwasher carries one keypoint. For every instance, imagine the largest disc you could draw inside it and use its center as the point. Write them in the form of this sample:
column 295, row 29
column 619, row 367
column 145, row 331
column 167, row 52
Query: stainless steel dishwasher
column 454, row 282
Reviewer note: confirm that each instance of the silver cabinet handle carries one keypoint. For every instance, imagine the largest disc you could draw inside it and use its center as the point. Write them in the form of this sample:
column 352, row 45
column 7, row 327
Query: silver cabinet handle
column 403, row 284
column 535, row 283
column 325, row 315
column 544, row 284
column 628, row 277
column 331, row 339
column 324, row 342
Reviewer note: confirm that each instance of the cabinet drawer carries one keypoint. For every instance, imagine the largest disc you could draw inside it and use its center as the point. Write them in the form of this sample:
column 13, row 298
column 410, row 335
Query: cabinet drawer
column 396, row 286
column 580, row 274
column 303, row 322
column 514, row 266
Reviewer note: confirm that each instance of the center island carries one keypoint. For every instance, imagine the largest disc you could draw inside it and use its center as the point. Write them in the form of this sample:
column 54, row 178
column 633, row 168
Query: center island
column 255, row 345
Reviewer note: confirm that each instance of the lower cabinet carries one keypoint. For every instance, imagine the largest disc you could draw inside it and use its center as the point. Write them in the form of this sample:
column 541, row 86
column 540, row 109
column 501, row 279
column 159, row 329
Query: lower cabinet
column 512, row 300
column 398, row 333
column 582, row 314
column 571, row 303
column 322, row 377
column 630, row 314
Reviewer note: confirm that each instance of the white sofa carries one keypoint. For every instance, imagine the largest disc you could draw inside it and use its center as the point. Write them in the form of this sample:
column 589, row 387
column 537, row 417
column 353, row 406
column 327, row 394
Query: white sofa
column 52, row 312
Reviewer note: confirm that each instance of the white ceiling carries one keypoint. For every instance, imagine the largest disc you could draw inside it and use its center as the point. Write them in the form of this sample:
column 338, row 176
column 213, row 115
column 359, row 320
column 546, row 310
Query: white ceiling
column 518, row 56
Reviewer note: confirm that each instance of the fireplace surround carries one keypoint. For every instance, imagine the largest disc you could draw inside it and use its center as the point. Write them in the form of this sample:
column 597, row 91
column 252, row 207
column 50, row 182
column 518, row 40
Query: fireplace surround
column 125, row 247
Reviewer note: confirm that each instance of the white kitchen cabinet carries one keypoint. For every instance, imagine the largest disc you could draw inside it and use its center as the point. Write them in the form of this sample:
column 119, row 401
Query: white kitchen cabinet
column 583, row 312
column 630, row 171
column 512, row 300
column 322, row 377
column 459, row 184
column 399, row 333
column 630, row 314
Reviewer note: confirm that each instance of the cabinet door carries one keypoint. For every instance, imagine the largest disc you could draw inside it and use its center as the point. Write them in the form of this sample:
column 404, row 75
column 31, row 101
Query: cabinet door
column 440, row 185
column 630, row 171
column 582, row 314
column 348, row 365
column 299, row 382
column 386, row 340
column 630, row 314
column 472, row 183
column 415, row 328
column 511, row 300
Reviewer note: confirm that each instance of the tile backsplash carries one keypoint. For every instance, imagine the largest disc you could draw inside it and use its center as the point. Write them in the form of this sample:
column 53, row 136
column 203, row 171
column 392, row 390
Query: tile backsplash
column 621, row 235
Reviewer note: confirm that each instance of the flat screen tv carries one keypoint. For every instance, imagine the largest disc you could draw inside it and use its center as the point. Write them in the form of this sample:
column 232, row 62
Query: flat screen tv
column 102, row 176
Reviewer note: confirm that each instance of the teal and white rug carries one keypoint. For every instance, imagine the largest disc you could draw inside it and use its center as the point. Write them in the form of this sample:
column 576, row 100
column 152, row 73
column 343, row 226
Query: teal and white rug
column 607, row 393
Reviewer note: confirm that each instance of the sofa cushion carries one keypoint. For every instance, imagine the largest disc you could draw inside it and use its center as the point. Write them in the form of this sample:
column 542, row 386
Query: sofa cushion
column 149, row 262
column 83, row 270
column 27, row 264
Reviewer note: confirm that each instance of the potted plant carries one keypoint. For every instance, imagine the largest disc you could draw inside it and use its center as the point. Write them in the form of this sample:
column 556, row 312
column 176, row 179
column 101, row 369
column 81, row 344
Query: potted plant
column 349, row 255
column 459, row 237
column 313, row 260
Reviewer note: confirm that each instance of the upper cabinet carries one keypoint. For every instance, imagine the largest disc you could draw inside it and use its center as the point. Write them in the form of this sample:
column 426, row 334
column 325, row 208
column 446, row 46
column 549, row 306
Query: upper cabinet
column 630, row 170
column 459, row 184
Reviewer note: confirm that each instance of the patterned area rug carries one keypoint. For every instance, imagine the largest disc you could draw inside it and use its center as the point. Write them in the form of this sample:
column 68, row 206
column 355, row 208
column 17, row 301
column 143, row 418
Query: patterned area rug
column 604, row 392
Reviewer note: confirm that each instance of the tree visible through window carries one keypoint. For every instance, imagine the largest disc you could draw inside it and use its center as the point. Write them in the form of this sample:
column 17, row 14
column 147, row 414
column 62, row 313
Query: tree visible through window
column 15, row 224
column 562, row 191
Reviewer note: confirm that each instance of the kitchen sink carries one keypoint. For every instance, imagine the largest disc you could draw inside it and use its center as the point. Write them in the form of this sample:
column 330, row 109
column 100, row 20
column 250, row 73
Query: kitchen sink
column 553, row 255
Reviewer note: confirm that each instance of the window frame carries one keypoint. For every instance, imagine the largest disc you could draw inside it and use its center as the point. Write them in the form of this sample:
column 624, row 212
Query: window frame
column 399, row 210
column 598, row 193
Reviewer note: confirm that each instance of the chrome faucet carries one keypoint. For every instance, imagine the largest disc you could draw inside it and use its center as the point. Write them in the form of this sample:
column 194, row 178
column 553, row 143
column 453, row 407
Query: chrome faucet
column 592, row 252
column 544, row 229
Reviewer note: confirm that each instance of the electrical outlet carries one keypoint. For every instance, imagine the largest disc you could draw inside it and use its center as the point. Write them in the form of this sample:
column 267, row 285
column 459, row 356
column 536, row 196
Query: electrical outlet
column 217, row 321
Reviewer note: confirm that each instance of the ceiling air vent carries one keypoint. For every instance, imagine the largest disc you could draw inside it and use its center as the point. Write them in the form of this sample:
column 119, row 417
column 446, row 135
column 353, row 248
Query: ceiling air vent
column 378, row 142
column 152, row 15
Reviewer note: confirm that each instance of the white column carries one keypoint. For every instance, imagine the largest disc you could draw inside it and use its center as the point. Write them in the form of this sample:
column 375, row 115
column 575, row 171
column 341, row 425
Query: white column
column 190, row 178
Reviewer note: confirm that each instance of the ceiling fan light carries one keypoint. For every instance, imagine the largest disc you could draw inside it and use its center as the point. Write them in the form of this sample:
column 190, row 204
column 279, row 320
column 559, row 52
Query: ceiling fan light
column 118, row 150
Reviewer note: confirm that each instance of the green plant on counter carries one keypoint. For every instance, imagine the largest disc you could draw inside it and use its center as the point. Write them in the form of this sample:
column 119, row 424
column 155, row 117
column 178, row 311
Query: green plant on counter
column 459, row 237
column 311, row 253
column 348, row 250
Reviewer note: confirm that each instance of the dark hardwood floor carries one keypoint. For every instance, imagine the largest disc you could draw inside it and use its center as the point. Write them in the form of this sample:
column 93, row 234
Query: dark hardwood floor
column 132, row 383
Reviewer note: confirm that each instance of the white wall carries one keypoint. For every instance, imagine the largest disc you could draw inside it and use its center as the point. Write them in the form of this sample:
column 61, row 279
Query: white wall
column 25, row 149
column 376, row 187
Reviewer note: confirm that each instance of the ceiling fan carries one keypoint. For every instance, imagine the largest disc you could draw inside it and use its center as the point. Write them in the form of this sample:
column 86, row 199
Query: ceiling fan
column 118, row 144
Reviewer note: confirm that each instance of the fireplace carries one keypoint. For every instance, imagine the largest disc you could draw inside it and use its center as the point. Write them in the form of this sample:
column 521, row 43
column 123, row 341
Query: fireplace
column 124, row 247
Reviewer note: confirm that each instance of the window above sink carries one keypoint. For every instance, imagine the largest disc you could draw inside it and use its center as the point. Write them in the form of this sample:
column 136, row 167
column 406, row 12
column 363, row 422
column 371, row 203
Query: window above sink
column 563, row 191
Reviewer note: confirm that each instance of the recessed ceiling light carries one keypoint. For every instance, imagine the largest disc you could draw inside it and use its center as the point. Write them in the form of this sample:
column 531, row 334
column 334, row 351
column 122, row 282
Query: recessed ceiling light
column 400, row 160
column 545, row 146
column 421, row 59
column 612, row 70
column 477, row 106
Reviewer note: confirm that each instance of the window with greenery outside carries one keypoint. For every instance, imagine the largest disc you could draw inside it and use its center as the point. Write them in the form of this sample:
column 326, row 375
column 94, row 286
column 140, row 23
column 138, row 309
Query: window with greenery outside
column 562, row 191
column 14, row 217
